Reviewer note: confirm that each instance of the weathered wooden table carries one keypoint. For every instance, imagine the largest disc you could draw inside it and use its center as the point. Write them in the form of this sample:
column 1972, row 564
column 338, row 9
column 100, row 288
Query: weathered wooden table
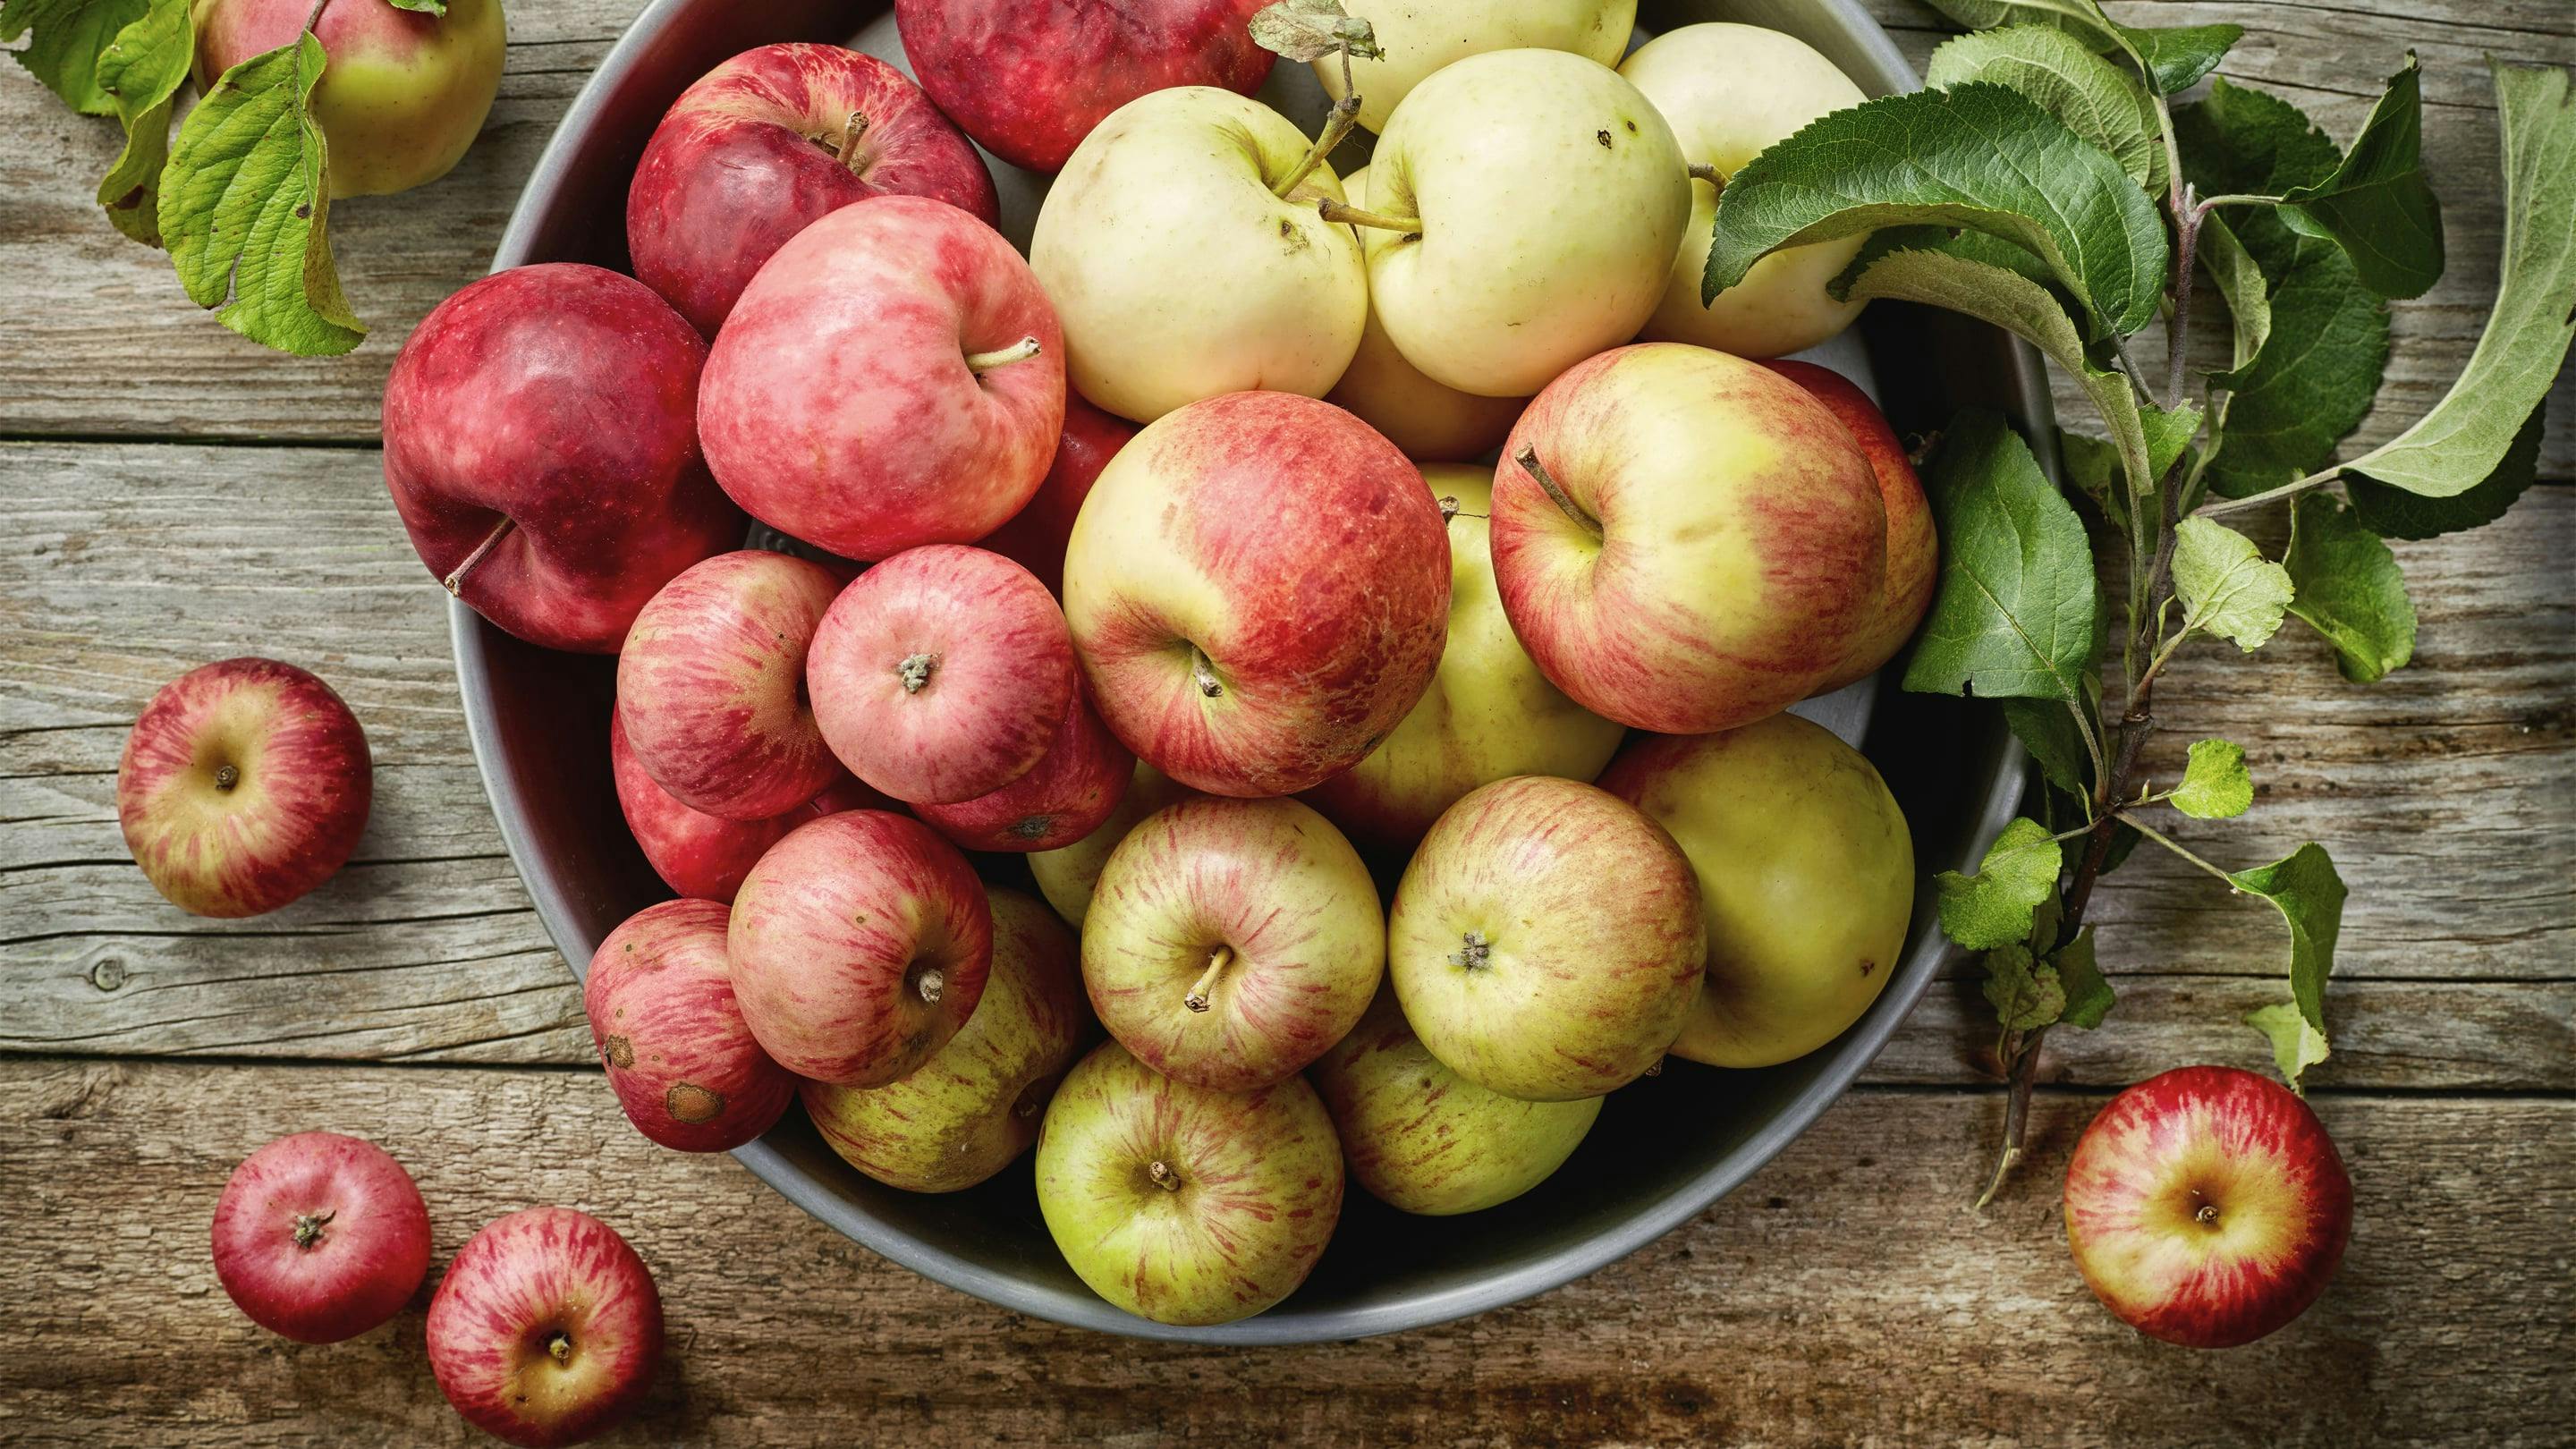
column 171, row 495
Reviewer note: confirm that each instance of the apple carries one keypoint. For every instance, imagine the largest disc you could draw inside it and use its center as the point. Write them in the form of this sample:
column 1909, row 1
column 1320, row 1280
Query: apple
column 704, row 856
column 1066, row 875
column 942, row 674
column 666, row 1026
column 766, row 143
column 1258, row 587
column 892, row 377
column 1685, row 541
column 711, row 685
column 970, row 1110
column 1806, row 880
column 1231, row 942
column 1428, row 422
column 544, row 520
column 1488, row 714
column 1185, row 1204
column 244, row 784
column 1729, row 91
column 1546, row 940
column 546, row 1329
column 403, row 91
column 1036, row 535
column 1524, row 208
column 1423, row 36
column 2207, row 1206
column 1062, row 798
column 1182, row 269
column 859, row 946
column 1028, row 79
column 1913, row 549
column 320, row 1237
column 1423, row 1139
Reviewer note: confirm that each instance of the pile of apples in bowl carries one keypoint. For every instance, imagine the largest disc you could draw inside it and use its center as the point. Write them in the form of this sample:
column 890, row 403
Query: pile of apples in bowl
column 1216, row 715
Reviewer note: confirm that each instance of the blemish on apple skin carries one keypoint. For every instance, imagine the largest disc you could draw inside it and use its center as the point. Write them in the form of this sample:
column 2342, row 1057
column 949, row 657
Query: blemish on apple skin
column 1604, row 138
column 1867, row 966
column 619, row 1051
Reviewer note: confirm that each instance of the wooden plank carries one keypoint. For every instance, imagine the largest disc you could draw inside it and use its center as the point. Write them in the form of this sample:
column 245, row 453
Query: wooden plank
column 1845, row 1296
column 102, row 343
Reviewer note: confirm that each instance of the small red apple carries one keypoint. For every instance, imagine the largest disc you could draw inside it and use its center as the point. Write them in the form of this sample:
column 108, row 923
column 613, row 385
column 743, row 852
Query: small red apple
column 546, row 1329
column 2207, row 1206
column 704, row 856
column 1913, row 549
column 1062, row 798
column 244, row 784
column 766, row 143
column 665, row 1023
column 320, row 1237
column 1036, row 535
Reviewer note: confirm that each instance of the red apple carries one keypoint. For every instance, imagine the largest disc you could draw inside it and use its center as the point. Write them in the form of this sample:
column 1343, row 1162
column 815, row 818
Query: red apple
column 1062, row 798
column 244, row 785
column 1259, row 589
column 766, row 143
column 541, row 445
column 893, row 377
column 860, row 945
column 1030, row 78
column 320, row 1237
column 1035, row 537
column 2207, row 1206
column 711, row 685
column 706, row 856
column 942, row 674
column 666, row 1026
column 1913, row 550
column 546, row 1329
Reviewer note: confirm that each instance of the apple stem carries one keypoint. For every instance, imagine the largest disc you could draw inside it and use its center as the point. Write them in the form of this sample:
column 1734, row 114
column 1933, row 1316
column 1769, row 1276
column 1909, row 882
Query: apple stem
column 1337, row 125
column 308, row 1227
column 1218, row 960
column 980, row 363
column 455, row 580
column 915, row 671
column 1527, row 457
column 227, row 776
column 313, row 17
column 932, row 983
column 851, row 130
column 1332, row 210
column 1704, row 171
column 1204, row 675
column 1164, row 1177
column 559, row 1346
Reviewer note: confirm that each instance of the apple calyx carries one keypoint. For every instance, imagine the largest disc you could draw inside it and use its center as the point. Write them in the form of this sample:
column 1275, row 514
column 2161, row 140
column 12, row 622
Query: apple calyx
column 2208, row 1213
column 1161, row 1175
column 1218, row 960
column 226, row 777
column 1343, row 211
column 980, row 363
column 1708, row 172
column 309, row 1226
column 1474, row 952
column 559, row 1346
column 915, row 671
column 932, row 983
column 454, row 583
column 1527, row 458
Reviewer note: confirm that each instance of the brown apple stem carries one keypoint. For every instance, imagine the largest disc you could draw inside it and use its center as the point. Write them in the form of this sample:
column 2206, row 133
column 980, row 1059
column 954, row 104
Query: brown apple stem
column 227, row 776
column 1218, row 960
column 851, row 131
column 980, row 363
column 1164, row 1177
column 1204, row 675
column 313, row 16
column 559, row 1346
column 309, row 1226
column 1527, row 457
column 455, row 580
column 2024, row 1057
column 1332, row 210
column 932, row 982
column 915, row 671
column 1703, row 171
column 1337, row 125
column 1448, row 506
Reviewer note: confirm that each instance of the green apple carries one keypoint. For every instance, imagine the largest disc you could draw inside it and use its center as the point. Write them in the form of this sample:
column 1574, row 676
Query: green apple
column 1488, row 714
column 964, row 1114
column 1067, row 874
column 1729, row 91
column 1546, row 940
column 1424, row 1139
column 1524, row 210
column 1422, row 36
column 1184, row 1204
column 1230, row 942
column 1180, row 270
column 1806, row 880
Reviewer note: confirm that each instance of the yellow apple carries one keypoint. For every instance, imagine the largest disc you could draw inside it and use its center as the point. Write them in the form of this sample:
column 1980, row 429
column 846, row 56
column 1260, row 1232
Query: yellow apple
column 1422, row 36
column 1067, row 875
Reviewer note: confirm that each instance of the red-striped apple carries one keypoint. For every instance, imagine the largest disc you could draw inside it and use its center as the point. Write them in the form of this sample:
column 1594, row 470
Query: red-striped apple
column 1913, row 550
column 546, row 1329
column 1067, row 874
column 666, row 1026
column 320, row 1237
column 704, row 856
column 1036, row 535
column 1062, row 798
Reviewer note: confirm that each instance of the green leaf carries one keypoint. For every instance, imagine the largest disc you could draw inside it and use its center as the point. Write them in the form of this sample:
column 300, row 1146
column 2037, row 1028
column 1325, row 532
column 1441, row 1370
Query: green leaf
column 2240, row 282
column 2377, row 205
column 141, row 72
column 1993, row 908
column 2167, row 433
column 246, row 204
column 2215, row 784
column 1979, row 156
column 2014, row 615
column 2396, row 513
column 2311, row 383
column 1309, row 30
column 2349, row 588
column 2296, row 1046
column 427, row 7
column 2026, row 995
column 2465, row 439
column 2310, row 897
column 2047, row 730
column 2175, row 56
column 2088, row 995
column 69, row 35
column 2226, row 585
column 2095, row 99
column 2093, row 466
column 2248, row 142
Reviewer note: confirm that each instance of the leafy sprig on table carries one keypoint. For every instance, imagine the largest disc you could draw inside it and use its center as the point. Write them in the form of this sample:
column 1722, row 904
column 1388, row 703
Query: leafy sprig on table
column 2049, row 183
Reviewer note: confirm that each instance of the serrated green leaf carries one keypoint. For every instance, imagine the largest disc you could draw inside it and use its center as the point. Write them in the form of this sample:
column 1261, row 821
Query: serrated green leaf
column 2226, row 585
column 2304, row 887
column 2047, row 730
column 2349, row 588
column 1993, row 907
column 245, row 206
column 2377, row 205
column 1974, row 246
column 2396, row 513
column 2025, row 994
column 2175, row 56
column 2466, row 438
column 2240, row 283
column 2215, row 784
column 68, row 37
column 2296, row 1046
column 141, row 72
column 2014, row 614
column 2237, row 141
column 1980, row 156
column 2089, row 997
column 2095, row 99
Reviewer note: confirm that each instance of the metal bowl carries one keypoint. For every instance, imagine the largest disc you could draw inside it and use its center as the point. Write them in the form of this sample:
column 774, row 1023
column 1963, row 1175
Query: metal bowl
column 1664, row 1148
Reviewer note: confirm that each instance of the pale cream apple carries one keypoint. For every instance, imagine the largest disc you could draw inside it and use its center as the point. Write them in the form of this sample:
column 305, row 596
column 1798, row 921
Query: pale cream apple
column 1179, row 268
column 1527, row 206
column 1728, row 91
column 1422, row 36
column 1067, row 874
